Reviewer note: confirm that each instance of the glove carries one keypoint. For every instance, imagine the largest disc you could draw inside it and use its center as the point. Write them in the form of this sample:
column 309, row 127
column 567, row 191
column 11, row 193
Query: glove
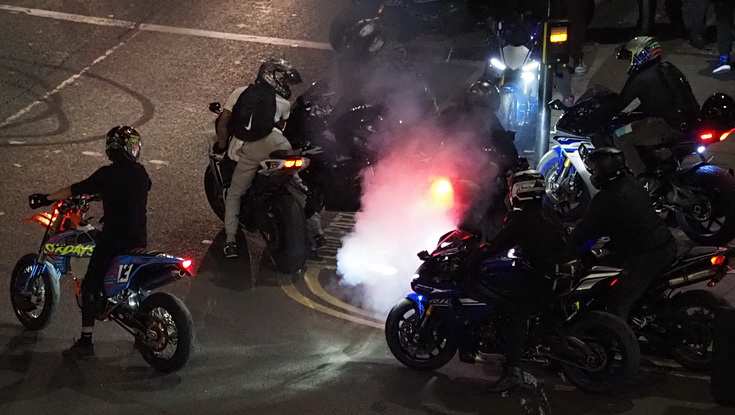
column 38, row 200
column 216, row 149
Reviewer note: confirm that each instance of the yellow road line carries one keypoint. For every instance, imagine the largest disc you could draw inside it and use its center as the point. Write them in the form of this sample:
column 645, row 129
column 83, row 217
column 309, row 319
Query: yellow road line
column 288, row 287
column 311, row 277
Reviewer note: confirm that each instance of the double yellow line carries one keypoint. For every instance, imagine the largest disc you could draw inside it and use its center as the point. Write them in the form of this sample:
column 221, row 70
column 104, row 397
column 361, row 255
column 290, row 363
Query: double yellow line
column 311, row 278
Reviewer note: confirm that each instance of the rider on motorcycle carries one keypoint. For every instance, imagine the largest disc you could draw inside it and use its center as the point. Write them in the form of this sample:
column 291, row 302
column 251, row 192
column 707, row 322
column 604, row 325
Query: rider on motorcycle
column 640, row 241
column 280, row 74
column 538, row 237
column 123, row 187
column 668, row 107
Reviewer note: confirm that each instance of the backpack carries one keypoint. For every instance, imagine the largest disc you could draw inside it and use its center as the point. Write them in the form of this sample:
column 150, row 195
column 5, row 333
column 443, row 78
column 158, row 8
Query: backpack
column 685, row 103
column 254, row 112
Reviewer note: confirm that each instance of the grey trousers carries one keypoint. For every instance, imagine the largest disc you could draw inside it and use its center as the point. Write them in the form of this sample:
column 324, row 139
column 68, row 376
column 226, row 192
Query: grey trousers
column 646, row 132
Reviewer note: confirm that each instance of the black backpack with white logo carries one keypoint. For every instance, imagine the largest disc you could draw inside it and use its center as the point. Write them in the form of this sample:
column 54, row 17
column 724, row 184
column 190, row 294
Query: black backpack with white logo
column 254, row 112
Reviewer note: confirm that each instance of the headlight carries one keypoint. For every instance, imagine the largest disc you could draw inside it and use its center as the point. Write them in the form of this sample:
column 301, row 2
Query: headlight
column 532, row 66
column 495, row 62
column 528, row 76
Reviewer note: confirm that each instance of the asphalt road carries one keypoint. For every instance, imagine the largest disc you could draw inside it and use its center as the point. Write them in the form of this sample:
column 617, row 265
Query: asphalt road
column 266, row 342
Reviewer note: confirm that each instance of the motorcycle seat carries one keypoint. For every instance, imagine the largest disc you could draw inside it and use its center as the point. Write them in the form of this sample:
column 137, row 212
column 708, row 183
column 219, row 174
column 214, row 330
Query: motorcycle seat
column 282, row 154
column 144, row 252
column 600, row 268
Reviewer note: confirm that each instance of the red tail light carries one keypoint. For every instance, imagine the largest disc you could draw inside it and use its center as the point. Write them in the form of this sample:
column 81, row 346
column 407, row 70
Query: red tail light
column 706, row 136
column 188, row 266
column 613, row 282
column 726, row 134
column 718, row 260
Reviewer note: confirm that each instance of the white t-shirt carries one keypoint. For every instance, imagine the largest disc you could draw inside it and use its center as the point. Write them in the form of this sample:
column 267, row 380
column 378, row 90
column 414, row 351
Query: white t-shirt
column 283, row 110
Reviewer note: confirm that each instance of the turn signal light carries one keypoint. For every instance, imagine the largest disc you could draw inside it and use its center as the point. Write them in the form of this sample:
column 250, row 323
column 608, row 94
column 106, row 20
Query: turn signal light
column 717, row 260
column 188, row 266
column 726, row 134
column 558, row 35
column 293, row 163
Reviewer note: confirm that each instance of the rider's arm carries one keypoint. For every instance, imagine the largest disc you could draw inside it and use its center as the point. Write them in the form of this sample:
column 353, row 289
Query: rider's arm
column 221, row 128
column 590, row 226
column 61, row 194
column 93, row 184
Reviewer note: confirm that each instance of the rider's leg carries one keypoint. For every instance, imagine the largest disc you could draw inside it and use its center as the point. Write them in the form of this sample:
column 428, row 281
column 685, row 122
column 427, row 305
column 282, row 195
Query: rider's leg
column 646, row 132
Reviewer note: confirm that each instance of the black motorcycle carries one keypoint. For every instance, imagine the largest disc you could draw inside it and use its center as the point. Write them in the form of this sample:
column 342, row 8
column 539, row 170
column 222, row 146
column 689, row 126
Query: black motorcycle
column 269, row 206
column 700, row 195
column 597, row 351
column 669, row 321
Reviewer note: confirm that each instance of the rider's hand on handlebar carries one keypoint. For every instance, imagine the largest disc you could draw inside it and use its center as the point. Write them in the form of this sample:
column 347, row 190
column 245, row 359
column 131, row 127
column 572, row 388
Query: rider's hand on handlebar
column 38, row 200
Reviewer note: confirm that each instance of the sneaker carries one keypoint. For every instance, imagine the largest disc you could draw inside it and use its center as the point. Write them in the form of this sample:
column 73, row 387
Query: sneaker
column 698, row 42
column 723, row 65
column 79, row 351
column 512, row 378
column 580, row 69
column 230, row 250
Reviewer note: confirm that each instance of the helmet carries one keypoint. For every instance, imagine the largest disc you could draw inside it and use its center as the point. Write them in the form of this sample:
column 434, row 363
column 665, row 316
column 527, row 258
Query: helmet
column 526, row 185
column 606, row 164
column 483, row 93
column 718, row 112
column 123, row 144
column 641, row 51
column 363, row 39
column 280, row 74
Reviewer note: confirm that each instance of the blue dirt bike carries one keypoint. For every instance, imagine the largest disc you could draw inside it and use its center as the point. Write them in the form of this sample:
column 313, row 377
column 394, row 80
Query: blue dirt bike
column 597, row 351
column 160, row 322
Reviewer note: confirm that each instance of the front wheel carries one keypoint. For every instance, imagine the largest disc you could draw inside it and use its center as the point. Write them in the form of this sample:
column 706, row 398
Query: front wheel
column 285, row 234
column 692, row 319
column 421, row 348
column 569, row 197
column 169, row 337
column 712, row 221
column 35, row 308
column 616, row 354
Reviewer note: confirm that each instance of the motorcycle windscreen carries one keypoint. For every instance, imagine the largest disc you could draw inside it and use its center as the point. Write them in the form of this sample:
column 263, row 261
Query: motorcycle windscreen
column 515, row 57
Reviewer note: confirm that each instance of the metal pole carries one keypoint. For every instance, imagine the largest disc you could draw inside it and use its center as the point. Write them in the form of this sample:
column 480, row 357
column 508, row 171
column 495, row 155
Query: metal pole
column 545, row 88
column 645, row 16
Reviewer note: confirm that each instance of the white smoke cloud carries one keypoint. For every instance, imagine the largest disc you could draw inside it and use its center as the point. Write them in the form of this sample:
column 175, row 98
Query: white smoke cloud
column 399, row 215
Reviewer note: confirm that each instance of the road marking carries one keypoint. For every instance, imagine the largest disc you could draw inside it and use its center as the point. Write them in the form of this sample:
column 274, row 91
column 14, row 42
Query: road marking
column 311, row 277
column 288, row 287
column 166, row 29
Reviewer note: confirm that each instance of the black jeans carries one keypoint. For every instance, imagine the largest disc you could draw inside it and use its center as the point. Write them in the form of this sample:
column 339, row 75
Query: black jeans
column 93, row 282
column 724, row 11
column 699, row 18
column 642, row 270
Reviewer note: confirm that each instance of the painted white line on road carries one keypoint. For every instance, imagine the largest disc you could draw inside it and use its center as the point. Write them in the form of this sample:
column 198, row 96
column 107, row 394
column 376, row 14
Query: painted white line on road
column 66, row 82
column 167, row 29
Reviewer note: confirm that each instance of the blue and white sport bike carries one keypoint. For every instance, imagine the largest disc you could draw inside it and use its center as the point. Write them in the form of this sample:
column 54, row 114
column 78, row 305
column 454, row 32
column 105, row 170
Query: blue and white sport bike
column 597, row 351
column 160, row 322
column 700, row 195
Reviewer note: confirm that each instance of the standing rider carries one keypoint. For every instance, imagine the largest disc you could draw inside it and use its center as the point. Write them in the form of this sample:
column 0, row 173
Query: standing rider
column 640, row 241
column 279, row 74
column 665, row 97
column 123, row 187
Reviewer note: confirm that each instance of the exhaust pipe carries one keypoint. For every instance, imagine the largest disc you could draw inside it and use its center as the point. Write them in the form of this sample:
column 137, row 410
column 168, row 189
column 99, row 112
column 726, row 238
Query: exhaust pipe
column 689, row 279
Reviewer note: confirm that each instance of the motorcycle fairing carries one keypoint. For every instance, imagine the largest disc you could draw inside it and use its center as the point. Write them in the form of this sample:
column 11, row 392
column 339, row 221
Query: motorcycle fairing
column 125, row 268
column 68, row 244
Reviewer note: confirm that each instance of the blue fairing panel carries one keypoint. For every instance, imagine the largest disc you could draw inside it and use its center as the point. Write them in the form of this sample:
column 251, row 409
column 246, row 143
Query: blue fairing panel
column 419, row 300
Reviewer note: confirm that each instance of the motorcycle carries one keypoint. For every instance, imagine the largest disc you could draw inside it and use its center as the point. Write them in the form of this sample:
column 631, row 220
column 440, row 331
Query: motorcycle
column 700, row 195
column 269, row 206
column 160, row 323
column 597, row 350
column 670, row 321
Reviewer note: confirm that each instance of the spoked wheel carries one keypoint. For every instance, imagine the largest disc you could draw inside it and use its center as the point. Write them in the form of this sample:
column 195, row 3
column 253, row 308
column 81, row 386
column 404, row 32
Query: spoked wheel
column 615, row 354
column 692, row 316
column 169, row 337
column 712, row 220
column 34, row 308
column 426, row 348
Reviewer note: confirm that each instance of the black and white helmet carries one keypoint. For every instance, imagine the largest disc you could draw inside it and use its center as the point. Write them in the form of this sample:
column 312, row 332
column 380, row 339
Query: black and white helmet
column 122, row 144
column 280, row 74
column 525, row 186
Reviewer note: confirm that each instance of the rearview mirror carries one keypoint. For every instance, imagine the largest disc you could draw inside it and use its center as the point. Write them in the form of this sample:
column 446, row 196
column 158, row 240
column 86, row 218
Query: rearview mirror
column 556, row 105
column 215, row 107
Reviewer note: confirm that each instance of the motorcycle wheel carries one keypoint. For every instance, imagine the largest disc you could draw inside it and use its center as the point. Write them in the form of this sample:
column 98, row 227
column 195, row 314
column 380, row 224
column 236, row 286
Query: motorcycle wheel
column 400, row 329
column 285, row 234
column 214, row 196
column 45, row 289
column 692, row 315
column 577, row 204
column 717, row 224
column 616, row 344
column 169, row 339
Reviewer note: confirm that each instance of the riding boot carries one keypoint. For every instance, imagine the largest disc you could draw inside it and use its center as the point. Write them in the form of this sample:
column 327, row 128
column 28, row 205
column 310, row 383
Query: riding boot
column 512, row 378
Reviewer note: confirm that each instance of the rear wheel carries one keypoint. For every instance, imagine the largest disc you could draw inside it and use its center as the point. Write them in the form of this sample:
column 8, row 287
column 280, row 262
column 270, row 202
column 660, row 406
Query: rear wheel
column 615, row 353
column 35, row 308
column 692, row 315
column 285, row 234
column 214, row 193
column 711, row 222
column 422, row 351
column 169, row 340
